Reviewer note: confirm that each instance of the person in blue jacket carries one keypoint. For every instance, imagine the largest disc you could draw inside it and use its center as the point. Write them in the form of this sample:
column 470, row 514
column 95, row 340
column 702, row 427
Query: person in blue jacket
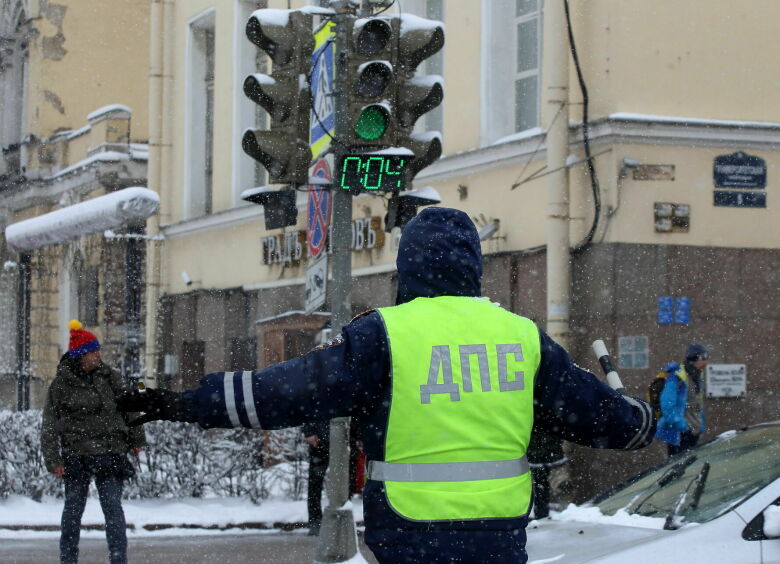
column 682, row 401
column 444, row 433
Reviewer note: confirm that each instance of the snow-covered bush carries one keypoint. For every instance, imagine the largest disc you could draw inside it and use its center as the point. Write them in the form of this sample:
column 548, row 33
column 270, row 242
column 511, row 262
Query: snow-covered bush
column 22, row 470
column 180, row 461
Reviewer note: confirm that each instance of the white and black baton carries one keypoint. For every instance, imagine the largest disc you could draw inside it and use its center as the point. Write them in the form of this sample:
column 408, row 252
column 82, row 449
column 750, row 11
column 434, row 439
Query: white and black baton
column 606, row 365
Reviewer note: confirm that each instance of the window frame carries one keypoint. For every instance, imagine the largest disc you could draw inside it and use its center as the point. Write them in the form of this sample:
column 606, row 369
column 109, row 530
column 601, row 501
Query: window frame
column 497, row 118
column 633, row 352
column 536, row 71
column 196, row 175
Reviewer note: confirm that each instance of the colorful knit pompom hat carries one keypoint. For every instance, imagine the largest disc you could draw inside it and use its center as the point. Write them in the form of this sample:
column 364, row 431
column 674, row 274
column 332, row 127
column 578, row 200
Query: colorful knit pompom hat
column 81, row 340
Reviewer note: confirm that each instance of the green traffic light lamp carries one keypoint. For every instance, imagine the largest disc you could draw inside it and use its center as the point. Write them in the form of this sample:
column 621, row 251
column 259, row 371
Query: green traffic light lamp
column 372, row 122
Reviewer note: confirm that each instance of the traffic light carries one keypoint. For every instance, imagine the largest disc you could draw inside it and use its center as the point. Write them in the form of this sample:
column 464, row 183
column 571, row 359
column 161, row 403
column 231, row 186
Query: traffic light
column 403, row 207
column 369, row 82
column 384, row 100
column 286, row 35
column 418, row 39
column 280, row 205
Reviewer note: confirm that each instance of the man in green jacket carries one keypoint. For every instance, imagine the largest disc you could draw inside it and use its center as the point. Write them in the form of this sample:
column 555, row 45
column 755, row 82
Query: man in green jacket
column 84, row 436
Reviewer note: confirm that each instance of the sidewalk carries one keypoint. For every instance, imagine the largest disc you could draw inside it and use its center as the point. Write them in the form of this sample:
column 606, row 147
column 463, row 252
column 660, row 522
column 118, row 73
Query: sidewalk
column 21, row 517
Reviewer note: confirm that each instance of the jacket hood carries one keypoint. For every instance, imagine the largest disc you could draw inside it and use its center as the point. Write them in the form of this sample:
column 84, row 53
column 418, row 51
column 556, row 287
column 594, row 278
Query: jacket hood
column 439, row 255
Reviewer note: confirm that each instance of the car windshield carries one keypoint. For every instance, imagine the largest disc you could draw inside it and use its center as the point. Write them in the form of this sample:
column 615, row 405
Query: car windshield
column 741, row 462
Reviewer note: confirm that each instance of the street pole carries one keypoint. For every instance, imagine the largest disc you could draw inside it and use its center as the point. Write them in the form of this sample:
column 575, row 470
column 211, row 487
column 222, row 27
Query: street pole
column 338, row 537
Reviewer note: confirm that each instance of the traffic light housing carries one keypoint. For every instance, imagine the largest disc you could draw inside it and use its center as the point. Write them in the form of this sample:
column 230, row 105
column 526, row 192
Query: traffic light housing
column 369, row 85
column 384, row 100
column 285, row 94
column 280, row 205
column 417, row 39
column 403, row 207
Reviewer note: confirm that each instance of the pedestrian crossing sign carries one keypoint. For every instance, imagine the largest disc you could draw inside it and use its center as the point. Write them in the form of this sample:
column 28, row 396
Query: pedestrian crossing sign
column 323, row 112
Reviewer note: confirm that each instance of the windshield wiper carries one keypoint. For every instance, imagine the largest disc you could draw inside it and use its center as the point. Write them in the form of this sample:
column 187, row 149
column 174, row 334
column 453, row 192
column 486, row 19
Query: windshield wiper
column 674, row 472
column 699, row 480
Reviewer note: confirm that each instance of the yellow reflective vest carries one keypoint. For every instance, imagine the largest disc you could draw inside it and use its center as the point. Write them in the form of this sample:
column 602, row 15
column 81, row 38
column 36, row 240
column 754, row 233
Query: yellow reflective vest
column 461, row 411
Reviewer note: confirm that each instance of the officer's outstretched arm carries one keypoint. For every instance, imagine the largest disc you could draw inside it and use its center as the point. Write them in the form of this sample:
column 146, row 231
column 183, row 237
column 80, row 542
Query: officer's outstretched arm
column 330, row 381
column 575, row 405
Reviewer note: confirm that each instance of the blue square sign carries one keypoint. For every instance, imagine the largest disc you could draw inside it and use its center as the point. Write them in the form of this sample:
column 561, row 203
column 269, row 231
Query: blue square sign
column 681, row 316
column 674, row 310
column 682, row 304
column 664, row 317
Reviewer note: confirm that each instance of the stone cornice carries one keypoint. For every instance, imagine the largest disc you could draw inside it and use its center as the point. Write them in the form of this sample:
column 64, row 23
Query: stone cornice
column 617, row 129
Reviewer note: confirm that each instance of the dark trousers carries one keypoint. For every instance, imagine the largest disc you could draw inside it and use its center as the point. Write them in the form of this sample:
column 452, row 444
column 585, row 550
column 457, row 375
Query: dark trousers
column 447, row 547
column 319, row 458
column 79, row 470
column 541, row 485
column 318, row 465
column 687, row 440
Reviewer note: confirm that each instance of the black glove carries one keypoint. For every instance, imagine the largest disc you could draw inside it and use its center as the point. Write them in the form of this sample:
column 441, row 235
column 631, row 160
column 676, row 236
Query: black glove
column 157, row 404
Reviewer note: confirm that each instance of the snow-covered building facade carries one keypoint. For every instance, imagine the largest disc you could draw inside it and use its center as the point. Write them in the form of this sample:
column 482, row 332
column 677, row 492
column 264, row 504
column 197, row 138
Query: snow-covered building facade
column 73, row 127
column 674, row 230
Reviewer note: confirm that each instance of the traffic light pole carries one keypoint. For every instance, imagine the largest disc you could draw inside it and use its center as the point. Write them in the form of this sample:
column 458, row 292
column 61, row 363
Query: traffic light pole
column 338, row 537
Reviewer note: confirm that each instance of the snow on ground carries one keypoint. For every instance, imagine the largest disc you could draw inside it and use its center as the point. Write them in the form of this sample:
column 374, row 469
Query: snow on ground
column 18, row 511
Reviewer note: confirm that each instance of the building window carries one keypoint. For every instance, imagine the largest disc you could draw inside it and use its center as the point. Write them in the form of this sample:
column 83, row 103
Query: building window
column 527, row 36
column 200, row 115
column 633, row 352
column 249, row 59
column 511, row 43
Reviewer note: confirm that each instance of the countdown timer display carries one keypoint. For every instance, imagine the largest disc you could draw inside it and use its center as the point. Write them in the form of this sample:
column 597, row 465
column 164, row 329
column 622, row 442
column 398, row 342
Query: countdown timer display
column 372, row 172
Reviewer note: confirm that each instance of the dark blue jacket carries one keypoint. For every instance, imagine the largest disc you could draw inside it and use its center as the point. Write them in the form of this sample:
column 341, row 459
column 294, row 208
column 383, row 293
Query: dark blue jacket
column 439, row 254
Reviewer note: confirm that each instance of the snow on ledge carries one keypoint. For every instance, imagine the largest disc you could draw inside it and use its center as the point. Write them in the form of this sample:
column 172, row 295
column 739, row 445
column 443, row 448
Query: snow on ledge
column 115, row 210
column 107, row 156
column 628, row 116
column 525, row 134
column 112, row 110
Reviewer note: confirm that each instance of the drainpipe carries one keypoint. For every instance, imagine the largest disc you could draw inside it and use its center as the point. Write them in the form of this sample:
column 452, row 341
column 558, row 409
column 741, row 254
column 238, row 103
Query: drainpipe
column 133, row 266
column 153, row 251
column 556, row 92
column 23, row 334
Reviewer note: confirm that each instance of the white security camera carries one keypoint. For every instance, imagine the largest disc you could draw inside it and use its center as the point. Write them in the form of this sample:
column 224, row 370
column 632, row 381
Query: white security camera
column 186, row 278
column 487, row 231
column 628, row 162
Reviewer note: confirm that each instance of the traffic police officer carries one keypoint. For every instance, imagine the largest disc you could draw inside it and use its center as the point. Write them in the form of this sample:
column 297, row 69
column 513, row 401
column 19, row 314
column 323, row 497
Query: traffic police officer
column 446, row 387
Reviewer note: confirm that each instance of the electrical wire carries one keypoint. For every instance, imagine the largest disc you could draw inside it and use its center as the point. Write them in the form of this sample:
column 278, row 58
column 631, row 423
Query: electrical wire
column 542, row 138
column 594, row 182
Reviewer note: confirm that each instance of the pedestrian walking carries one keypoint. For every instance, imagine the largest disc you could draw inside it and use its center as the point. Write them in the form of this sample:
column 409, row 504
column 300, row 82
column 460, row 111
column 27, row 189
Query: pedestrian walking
column 85, row 436
column 681, row 400
column 545, row 453
column 446, row 387
column 317, row 435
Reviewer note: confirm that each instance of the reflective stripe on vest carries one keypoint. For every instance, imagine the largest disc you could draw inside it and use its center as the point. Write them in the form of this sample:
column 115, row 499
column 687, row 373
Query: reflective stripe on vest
column 446, row 471
column 462, row 398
